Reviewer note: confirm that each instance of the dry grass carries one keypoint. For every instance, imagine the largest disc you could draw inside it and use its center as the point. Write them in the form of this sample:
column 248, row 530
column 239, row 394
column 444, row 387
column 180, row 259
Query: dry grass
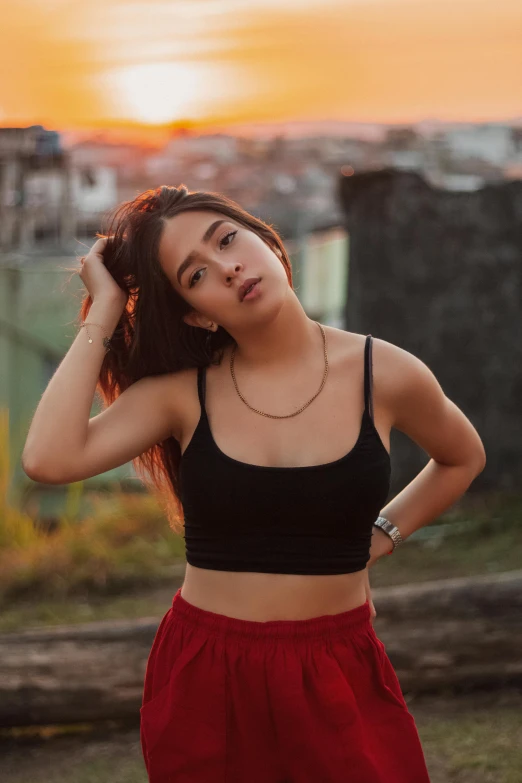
column 125, row 540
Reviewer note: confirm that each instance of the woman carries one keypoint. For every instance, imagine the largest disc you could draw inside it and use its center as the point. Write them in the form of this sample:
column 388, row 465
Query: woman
column 263, row 427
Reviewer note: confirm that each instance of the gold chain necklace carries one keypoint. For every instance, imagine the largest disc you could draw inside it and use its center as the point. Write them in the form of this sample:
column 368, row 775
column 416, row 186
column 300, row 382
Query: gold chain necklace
column 289, row 415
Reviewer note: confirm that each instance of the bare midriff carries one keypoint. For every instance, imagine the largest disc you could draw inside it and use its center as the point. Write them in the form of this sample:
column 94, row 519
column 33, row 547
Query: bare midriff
column 263, row 597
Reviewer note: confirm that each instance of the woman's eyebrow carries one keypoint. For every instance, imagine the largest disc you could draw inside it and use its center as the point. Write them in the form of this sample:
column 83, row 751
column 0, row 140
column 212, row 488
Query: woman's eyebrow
column 207, row 236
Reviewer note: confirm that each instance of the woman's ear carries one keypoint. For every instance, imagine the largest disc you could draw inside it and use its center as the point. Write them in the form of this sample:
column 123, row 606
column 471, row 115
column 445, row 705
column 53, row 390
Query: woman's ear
column 193, row 319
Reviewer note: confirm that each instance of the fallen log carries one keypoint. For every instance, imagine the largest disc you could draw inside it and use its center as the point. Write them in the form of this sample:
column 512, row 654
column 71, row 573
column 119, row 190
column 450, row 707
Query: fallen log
column 464, row 632
column 454, row 633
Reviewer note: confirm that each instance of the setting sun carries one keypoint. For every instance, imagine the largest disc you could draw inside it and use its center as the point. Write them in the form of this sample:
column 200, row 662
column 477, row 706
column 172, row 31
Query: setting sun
column 159, row 92
column 116, row 61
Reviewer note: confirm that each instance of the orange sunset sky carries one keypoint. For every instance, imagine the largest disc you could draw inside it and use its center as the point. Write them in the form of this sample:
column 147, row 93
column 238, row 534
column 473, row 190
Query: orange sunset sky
column 65, row 63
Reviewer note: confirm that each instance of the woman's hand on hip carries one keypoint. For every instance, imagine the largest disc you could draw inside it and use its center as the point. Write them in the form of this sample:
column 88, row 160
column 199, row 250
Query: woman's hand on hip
column 368, row 591
column 381, row 545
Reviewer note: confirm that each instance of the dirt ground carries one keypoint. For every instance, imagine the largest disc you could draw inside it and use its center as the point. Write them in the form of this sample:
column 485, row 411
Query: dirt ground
column 467, row 738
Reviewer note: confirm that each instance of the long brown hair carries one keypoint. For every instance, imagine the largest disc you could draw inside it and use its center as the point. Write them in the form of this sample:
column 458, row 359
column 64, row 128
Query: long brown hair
column 151, row 337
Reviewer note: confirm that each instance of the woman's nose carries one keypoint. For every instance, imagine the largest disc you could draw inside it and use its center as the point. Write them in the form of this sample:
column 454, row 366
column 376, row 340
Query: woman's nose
column 232, row 269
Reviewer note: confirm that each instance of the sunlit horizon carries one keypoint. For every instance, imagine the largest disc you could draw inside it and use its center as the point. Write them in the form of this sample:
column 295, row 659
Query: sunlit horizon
column 115, row 63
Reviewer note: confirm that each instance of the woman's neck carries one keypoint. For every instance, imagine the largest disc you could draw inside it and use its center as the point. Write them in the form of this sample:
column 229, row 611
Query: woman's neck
column 286, row 340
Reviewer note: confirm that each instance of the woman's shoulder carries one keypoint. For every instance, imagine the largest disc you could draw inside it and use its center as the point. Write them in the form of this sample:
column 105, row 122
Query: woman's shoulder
column 398, row 368
column 346, row 344
column 398, row 375
column 386, row 356
column 406, row 388
column 350, row 346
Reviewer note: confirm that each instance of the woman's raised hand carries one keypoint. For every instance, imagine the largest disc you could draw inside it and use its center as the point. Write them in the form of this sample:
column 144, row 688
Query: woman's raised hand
column 95, row 276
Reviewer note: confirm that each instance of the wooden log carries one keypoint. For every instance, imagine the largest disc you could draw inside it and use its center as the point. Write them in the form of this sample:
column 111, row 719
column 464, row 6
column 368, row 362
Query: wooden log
column 450, row 633
column 457, row 633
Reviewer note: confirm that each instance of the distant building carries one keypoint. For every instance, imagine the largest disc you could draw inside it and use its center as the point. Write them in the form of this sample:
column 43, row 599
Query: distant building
column 220, row 147
column 26, row 153
column 492, row 143
column 412, row 160
column 460, row 182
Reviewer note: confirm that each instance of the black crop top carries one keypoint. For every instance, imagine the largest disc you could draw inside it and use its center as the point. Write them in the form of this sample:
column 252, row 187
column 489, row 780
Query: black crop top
column 312, row 519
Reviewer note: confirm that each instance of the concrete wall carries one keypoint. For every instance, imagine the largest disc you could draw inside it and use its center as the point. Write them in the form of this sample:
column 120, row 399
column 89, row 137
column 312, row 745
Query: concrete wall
column 39, row 304
column 439, row 274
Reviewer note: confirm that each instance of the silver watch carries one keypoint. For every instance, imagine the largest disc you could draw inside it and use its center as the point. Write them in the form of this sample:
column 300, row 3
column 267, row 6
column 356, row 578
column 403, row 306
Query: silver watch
column 390, row 529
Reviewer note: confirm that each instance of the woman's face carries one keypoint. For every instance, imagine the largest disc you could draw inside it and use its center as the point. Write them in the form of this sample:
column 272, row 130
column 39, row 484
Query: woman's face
column 207, row 256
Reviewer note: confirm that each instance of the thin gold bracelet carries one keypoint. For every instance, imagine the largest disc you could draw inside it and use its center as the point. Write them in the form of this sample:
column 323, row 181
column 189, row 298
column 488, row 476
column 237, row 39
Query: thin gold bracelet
column 106, row 340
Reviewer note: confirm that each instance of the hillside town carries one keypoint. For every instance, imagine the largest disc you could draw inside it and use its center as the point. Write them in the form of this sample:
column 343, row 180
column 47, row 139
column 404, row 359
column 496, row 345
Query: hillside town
column 54, row 189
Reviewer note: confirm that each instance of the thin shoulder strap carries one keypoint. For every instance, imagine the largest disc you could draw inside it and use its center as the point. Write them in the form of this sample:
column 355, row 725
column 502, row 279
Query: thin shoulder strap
column 368, row 376
column 201, row 387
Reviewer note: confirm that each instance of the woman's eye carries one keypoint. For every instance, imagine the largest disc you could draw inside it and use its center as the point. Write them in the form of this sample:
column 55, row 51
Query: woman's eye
column 194, row 279
column 230, row 233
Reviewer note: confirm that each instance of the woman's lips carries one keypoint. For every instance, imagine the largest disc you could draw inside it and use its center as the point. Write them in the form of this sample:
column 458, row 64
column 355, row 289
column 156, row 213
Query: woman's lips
column 253, row 293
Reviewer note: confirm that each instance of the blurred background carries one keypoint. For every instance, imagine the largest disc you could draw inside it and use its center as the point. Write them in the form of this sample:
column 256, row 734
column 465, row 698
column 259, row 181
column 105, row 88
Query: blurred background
column 383, row 140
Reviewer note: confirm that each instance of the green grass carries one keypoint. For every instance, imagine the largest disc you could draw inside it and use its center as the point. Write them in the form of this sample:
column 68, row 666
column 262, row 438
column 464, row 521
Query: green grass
column 120, row 771
column 23, row 614
column 476, row 551
column 67, row 759
column 481, row 746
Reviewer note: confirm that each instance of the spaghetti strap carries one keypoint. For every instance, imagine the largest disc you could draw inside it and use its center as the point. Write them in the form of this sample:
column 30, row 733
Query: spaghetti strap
column 368, row 377
column 201, row 387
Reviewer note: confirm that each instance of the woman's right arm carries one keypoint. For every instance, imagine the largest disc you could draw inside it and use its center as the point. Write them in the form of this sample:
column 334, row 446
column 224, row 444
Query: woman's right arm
column 63, row 443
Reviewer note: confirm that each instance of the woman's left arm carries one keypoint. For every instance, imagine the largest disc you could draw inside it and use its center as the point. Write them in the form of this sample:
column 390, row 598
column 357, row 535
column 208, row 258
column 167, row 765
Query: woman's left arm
column 417, row 406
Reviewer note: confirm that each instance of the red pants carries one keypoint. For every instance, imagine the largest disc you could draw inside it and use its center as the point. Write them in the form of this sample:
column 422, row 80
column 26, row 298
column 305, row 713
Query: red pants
column 284, row 701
